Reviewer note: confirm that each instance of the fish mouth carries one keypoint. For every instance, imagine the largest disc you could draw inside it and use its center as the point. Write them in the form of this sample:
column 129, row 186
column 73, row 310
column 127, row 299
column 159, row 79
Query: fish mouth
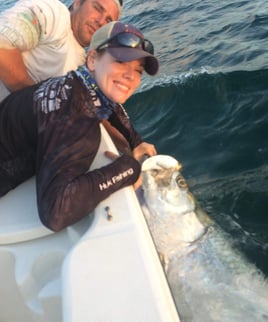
column 162, row 168
column 160, row 162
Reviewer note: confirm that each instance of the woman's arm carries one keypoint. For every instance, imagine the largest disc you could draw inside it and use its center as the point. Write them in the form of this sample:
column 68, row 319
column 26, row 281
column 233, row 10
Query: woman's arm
column 66, row 192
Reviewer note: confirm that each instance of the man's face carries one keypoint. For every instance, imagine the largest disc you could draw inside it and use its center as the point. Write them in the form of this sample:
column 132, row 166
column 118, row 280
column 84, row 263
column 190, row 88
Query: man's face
column 90, row 15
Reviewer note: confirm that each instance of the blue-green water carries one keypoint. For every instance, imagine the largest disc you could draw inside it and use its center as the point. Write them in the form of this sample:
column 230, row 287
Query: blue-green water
column 217, row 126
column 208, row 105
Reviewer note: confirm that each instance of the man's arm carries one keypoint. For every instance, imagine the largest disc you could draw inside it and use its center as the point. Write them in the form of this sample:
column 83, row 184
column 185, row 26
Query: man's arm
column 12, row 69
column 23, row 28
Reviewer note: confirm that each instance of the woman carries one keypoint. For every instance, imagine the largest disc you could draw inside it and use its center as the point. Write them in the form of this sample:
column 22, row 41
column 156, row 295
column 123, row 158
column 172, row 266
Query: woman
column 52, row 129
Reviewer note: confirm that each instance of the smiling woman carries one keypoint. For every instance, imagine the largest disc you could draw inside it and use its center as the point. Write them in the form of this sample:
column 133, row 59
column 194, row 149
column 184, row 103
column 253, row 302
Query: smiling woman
column 118, row 54
column 56, row 134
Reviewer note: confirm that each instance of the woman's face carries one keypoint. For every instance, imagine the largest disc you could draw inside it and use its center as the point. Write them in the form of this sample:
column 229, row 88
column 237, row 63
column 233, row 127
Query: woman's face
column 117, row 80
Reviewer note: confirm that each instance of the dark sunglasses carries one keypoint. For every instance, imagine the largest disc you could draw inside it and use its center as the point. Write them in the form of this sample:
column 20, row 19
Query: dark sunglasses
column 127, row 39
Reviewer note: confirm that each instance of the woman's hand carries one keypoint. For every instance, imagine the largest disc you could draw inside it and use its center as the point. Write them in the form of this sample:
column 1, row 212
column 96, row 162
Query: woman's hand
column 142, row 150
column 113, row 156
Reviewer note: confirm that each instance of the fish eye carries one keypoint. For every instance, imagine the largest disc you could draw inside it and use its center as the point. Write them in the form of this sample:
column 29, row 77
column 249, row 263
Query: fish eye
column 181, row 182
column 154, row 172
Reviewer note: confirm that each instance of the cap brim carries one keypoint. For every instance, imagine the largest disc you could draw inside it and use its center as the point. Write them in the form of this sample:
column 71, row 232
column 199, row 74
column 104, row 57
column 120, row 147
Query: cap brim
column 125, row 54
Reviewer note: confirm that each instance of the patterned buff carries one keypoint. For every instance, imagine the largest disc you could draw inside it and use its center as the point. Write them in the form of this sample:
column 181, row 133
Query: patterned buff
column 104, row 106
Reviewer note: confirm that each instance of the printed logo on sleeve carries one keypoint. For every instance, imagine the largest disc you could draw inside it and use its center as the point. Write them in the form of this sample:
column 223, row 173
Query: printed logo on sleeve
column 115, row 179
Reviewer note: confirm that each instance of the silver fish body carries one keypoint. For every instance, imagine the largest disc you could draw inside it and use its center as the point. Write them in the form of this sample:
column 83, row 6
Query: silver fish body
column 209, row 278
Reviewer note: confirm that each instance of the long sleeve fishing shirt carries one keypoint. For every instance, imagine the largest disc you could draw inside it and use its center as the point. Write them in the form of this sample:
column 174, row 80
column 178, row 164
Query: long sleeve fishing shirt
column 52, row 130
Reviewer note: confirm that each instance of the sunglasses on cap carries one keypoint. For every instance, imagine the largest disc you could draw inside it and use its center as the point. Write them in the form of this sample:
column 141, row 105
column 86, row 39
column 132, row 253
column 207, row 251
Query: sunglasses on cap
column 127, row 39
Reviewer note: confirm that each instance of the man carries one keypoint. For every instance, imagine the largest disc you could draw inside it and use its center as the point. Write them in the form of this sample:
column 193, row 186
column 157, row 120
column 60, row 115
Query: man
column 42, row 38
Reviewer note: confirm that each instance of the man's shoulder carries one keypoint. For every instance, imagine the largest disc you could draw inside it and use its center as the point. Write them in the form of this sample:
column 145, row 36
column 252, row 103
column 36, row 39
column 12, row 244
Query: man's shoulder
column 42, row 3
column 39, row 19
column 54, row 10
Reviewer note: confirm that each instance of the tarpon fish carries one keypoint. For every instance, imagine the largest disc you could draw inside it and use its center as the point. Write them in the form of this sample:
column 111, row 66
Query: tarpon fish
column 209, row 278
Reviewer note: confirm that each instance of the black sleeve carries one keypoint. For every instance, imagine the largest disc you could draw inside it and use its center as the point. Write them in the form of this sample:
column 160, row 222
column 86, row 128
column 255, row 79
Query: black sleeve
column 66, row 191
column 120, row 120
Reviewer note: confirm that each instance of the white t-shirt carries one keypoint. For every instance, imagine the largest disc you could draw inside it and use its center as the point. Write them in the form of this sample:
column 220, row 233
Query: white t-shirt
column 41, row 29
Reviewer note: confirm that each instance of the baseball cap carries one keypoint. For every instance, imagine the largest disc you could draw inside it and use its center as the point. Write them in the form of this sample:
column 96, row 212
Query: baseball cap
column 125, row 43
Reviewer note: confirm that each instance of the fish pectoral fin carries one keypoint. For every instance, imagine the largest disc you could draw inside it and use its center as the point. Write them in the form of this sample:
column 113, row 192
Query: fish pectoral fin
column 202, row 236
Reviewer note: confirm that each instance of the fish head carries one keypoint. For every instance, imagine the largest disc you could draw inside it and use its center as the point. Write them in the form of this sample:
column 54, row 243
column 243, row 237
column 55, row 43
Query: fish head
column 170, row 212
column 157, row 172
column 161, row 178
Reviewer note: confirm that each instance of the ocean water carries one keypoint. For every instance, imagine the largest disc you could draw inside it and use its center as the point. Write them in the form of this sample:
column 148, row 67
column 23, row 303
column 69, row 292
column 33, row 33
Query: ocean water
column 208, row 107
column 208, row 104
